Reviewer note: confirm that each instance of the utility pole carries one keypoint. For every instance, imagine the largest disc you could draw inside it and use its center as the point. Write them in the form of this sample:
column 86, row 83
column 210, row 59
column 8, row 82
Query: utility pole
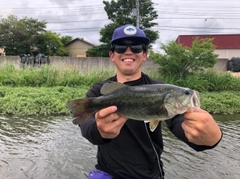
column 205, row 25
column 137, row 12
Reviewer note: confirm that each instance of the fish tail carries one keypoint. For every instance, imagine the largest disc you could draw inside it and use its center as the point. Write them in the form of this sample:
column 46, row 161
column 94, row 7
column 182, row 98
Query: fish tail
column 80, row 109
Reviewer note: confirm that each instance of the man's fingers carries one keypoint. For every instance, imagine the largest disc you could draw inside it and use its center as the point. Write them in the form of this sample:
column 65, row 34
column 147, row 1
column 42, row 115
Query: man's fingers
column 105, row 112
column 194, row 114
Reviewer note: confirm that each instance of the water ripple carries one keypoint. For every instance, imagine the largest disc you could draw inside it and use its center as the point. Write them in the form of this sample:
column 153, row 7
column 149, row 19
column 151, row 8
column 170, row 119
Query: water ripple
column 53, row 148
column 221, row 162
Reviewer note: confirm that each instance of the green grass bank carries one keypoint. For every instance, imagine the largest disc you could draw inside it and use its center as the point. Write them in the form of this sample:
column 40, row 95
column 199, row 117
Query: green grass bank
column 45, row 90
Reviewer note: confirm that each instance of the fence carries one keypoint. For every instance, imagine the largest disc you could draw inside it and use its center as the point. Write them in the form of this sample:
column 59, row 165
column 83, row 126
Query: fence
column 90, row 63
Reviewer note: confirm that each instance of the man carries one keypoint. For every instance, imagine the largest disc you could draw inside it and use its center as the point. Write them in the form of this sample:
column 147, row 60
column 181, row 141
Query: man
column 127, row 149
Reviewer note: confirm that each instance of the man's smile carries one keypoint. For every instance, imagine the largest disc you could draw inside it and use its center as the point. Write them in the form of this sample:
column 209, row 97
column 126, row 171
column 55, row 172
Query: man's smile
column 128, row 60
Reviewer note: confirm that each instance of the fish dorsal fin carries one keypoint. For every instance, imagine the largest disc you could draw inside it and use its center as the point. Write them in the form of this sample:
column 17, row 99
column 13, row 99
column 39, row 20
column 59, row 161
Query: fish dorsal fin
column 111, row 87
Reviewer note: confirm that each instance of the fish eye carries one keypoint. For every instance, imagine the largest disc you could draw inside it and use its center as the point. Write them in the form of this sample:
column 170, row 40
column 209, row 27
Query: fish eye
column 187, row 92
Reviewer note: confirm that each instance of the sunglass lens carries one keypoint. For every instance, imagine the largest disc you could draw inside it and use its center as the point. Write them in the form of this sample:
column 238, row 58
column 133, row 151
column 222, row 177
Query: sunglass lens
column 120, row 48
column 136, row 48
column 123, row 48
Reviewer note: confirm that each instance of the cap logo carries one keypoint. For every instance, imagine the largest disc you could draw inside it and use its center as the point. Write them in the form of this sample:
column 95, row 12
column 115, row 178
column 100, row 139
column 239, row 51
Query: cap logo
column 130, row 30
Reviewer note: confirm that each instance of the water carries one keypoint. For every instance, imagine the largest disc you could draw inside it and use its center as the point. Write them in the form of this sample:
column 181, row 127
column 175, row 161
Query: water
column 53, row 148
column 219, row 163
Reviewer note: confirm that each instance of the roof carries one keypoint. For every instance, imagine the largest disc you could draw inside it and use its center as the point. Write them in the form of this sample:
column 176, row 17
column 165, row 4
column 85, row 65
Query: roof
column 221, row 41
column 78, row 39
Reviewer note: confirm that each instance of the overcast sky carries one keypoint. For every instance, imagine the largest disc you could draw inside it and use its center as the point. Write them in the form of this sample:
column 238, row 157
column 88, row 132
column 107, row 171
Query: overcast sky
column 85, row 18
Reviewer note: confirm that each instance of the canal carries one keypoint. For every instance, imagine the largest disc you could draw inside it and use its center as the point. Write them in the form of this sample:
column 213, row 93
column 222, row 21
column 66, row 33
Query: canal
column 53, row 148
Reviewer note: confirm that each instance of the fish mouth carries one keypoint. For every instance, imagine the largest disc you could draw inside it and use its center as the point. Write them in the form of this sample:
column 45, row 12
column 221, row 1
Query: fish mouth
column 195, row 102
column 192, row 102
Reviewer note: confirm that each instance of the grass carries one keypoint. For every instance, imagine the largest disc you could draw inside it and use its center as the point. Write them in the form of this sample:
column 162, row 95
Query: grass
column 39, row 100
column 45, row 90
column 48, row 76
column 209, row 81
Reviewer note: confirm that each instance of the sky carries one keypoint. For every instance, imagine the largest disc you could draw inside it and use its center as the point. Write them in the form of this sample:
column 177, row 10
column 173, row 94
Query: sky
column 85, row 18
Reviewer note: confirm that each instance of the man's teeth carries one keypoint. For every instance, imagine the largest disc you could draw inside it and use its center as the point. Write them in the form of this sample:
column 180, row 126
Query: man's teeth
column 128, row 60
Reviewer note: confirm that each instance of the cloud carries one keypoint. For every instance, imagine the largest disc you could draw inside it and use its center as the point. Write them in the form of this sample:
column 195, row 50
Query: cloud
column 84, row 18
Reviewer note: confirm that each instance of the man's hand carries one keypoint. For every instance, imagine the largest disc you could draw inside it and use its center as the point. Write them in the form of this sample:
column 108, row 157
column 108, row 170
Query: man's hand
column 200, row 128
column 109, row 123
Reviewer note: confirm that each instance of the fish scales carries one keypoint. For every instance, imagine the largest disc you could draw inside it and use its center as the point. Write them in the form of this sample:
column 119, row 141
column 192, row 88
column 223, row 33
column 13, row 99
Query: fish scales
column 132, row 102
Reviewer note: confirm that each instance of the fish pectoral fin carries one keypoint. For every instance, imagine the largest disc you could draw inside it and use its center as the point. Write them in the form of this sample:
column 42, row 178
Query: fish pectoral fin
column 152, row 124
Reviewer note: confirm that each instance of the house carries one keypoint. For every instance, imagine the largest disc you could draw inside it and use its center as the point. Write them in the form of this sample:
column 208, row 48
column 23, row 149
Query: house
column 78, row 47
column 227, row 45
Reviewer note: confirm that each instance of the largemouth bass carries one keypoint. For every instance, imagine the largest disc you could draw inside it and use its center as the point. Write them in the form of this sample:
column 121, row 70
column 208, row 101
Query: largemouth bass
column 149, row 103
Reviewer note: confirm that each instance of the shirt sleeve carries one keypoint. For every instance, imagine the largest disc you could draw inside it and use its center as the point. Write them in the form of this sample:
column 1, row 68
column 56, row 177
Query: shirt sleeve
column 89, row 127
column 175, row 126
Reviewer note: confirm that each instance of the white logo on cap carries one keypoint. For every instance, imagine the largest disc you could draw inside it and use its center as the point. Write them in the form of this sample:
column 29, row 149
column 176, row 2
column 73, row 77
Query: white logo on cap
column 130, row 30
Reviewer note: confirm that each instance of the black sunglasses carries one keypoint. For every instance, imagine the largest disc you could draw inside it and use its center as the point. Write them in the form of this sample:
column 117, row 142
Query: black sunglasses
column 134, row 48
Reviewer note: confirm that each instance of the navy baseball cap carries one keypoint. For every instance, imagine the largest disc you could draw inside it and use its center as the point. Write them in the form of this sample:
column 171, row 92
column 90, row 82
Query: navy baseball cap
column 129, row 32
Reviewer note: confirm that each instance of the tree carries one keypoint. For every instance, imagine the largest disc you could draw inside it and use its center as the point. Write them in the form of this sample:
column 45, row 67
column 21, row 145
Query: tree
column 179, row 61
column 50, row 44
column 19, row 36
column 66, row 39
column 98, row 51
column 120, row 12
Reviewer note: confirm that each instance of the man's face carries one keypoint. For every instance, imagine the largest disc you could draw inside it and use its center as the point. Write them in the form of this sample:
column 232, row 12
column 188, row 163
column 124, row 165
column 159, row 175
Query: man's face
column 128, row 62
